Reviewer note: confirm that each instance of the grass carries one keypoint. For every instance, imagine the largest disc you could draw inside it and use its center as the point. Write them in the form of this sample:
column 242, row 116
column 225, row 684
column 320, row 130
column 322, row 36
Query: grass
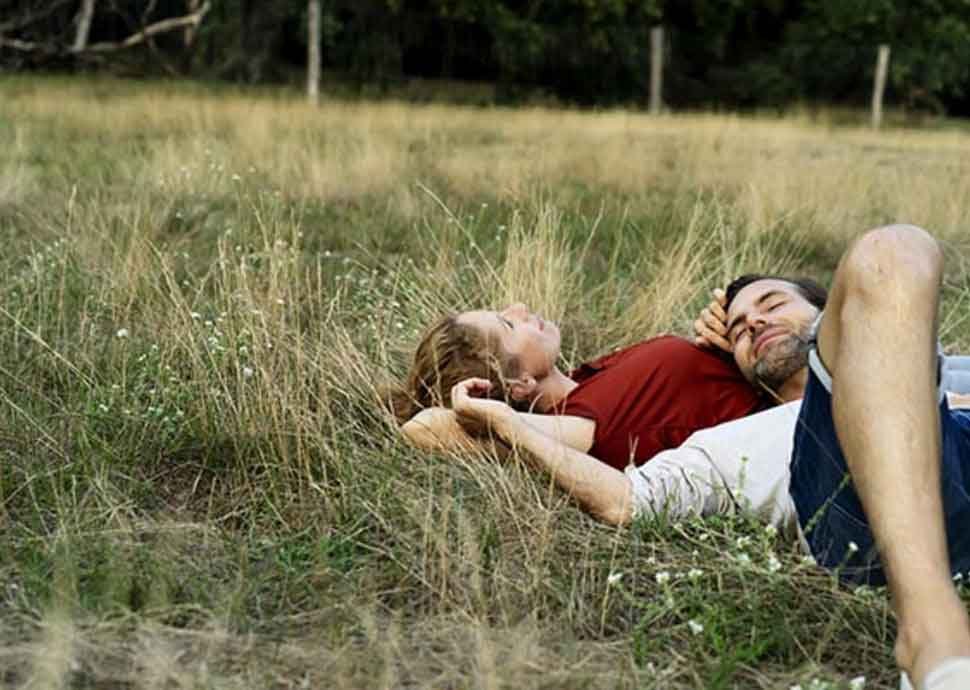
column 201, row 295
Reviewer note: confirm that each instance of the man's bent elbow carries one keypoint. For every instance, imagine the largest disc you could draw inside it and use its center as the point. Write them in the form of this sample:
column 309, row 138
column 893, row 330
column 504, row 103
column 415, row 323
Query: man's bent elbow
column 619, row 511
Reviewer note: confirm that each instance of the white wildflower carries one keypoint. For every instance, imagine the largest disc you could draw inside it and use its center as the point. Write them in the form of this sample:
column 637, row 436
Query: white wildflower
column 247, row 372
column 662, row 578
column 743, row 541
column 857, row 683
column 103, row 408
column 771, row 530
column 695, row 627
column 774, row 565
column 694, row 573
column 853, row 547
column 744, row 559
column 196, row 316
column 122, row 333
column 614, row 578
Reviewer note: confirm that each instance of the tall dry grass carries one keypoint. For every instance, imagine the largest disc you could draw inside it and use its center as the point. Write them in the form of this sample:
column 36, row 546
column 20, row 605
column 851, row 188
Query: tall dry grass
column 203, row 295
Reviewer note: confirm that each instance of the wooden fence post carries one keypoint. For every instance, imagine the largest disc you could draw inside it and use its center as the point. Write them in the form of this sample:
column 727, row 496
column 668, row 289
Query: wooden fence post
column 313, row 52
column 656, row 69
column 879, row 86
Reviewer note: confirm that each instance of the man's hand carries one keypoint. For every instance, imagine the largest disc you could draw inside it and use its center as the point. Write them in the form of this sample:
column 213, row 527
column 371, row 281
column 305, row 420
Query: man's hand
column 710, row 328
column 469, row 399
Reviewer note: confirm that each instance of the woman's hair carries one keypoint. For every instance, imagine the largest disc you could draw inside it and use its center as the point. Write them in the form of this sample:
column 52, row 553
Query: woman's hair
column 448, row 353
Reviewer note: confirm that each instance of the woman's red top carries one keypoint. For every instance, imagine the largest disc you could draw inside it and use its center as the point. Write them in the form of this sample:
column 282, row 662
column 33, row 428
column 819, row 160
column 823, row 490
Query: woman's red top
column 651, row 396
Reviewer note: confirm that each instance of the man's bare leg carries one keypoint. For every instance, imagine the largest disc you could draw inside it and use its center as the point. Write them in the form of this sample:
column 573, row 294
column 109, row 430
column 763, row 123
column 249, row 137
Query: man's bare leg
column 878, row 339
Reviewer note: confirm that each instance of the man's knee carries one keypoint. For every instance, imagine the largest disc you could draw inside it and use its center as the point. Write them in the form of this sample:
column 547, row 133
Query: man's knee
column 892, row 264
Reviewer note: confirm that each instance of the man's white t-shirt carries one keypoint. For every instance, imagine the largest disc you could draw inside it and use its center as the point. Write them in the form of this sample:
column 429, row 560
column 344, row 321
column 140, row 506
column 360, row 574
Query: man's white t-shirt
column 739, row 465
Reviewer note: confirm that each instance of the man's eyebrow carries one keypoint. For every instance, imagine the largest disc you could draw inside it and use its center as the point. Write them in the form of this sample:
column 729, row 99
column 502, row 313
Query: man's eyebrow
column 758, row 302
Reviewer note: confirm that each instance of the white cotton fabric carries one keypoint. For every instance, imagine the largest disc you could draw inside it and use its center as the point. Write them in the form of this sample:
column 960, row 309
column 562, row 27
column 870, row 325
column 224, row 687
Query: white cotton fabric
column 740, row 465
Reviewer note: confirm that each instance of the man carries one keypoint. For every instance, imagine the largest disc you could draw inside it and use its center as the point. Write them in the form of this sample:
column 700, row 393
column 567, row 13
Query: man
column 873, row 410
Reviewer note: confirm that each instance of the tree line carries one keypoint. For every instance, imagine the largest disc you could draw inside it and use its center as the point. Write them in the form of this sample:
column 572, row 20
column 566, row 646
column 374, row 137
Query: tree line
column 730, row 53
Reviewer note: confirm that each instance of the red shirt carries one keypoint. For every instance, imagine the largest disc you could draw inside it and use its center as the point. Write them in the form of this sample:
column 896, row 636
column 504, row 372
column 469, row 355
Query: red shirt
column 651, row 396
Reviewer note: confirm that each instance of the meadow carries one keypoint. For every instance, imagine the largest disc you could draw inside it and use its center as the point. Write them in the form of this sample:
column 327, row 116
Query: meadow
column 202, row 296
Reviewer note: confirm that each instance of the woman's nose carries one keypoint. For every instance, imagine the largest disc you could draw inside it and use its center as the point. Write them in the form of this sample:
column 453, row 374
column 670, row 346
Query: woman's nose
column 517, row 309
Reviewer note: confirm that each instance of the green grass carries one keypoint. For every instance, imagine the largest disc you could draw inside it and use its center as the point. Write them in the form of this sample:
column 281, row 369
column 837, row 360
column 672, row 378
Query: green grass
column 201, row 294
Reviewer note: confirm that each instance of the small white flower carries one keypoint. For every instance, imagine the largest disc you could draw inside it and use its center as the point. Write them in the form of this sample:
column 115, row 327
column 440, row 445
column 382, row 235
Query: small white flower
column 795, row 687
column 247, row 372
column 614, row 578
column 122, row 333
column 771, row 530
column 651, row 561
column 103, row 408
column 399, row 324
column 196, row 316
column 704, row 537
column 695, row 627
column 662, row 578
column 694, row 573
column 744, row 559
column 853, row 547
column 743, row 541
column 857, row 683
column 774, row 565
column 958, row 577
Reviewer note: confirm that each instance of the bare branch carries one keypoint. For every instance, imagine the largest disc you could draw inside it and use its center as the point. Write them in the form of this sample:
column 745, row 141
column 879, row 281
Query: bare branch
column 29, row 17
column 25, row 46
column 147, row 32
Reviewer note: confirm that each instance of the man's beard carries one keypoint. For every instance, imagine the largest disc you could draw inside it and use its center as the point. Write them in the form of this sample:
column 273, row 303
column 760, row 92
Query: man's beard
column 785, row 358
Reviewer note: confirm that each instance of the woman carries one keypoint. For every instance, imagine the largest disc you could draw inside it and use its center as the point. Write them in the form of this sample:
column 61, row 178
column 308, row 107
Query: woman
column 624, row 407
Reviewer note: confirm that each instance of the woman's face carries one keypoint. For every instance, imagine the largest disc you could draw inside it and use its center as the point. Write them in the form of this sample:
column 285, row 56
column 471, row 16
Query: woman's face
column 532, row 340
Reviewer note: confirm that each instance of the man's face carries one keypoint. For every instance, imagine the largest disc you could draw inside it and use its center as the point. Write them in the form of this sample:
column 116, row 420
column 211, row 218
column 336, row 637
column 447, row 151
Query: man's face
column 768, row 324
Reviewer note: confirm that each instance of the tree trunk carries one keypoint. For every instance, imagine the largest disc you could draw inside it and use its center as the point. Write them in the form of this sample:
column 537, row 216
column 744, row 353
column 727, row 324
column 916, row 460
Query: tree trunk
column 879, row 86
column 313, row 52
column 84, row 17
column 656, row 69
column 188, row 36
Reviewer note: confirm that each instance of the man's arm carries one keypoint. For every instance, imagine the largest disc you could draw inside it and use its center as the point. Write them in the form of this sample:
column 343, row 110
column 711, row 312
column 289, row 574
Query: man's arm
column 602, row 490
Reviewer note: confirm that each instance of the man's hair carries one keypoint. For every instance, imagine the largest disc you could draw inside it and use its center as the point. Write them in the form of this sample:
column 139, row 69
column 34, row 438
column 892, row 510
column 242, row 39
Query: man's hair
column 808, row 288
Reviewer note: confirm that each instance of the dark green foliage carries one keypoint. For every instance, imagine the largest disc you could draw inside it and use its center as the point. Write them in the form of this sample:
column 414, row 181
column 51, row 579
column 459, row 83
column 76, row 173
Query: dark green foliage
column 734, row 53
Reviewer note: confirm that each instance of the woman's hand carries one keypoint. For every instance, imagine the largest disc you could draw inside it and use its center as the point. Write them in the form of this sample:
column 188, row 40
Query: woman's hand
column 710, row 328
column 469, row 399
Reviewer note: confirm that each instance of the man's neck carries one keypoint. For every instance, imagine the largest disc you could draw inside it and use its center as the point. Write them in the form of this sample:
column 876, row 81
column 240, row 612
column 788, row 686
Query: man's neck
column 794, row 387
column 552, row 390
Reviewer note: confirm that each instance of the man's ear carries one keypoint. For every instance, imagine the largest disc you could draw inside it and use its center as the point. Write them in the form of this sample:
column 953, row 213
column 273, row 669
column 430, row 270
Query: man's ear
column 523, row 388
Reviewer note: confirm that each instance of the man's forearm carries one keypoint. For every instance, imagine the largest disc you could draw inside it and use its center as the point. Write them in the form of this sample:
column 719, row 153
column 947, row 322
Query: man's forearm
column 602, row 490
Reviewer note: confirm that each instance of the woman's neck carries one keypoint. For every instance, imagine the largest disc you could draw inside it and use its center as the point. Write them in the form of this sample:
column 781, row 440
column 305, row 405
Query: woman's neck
column 552, row 390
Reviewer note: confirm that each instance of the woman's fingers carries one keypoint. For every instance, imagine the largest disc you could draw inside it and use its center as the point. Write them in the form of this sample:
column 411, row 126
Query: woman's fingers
column 710, row 328
column 464, row 391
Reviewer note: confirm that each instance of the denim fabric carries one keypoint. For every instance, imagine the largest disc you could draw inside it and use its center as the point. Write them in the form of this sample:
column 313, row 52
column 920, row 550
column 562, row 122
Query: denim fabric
column 829, row 510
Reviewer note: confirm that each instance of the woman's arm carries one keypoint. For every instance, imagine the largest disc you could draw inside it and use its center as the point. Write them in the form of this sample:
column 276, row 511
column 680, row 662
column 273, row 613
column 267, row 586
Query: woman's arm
column 604, row 491
column 437, row 428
